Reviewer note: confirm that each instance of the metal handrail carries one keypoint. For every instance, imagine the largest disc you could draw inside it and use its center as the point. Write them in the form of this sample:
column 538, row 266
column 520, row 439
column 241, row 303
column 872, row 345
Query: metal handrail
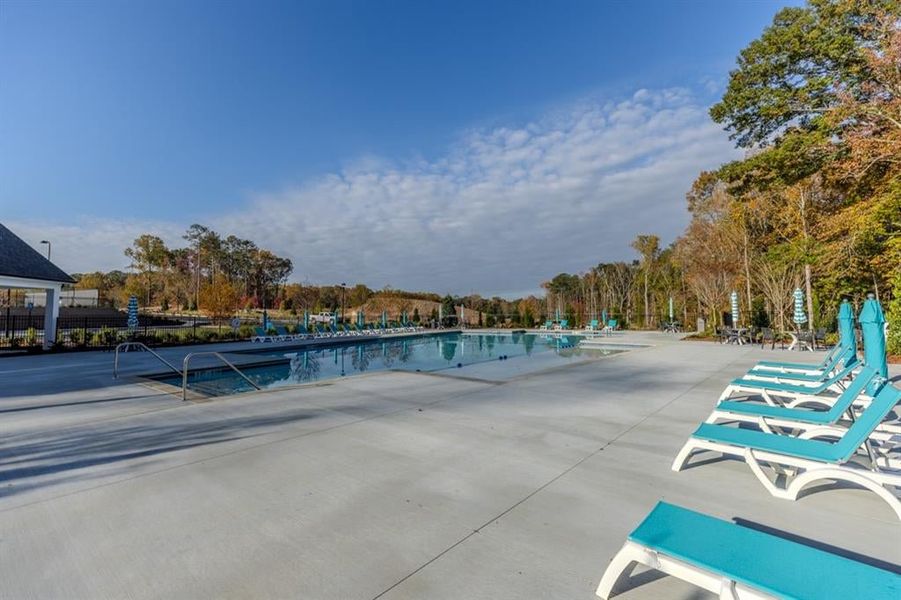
column 143, row 347
column 184, row 373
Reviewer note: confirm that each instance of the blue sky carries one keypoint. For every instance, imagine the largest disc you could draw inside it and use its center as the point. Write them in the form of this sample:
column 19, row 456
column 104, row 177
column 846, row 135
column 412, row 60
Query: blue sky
column 451, row 146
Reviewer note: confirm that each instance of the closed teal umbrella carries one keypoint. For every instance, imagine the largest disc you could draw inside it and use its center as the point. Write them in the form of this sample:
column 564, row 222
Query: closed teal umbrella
column 384, row 318
column 872, row 323
column 306, row 320
column 133, row 312
column 800, row 317
column 847, row 339
column 734, row 309
column 671, row 308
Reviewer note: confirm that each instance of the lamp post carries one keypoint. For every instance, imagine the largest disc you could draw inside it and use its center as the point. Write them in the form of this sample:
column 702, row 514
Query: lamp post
column 48, row 247
column 343, row 290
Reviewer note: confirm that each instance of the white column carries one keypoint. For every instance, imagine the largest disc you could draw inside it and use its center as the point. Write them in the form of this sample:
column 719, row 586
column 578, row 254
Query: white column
column 51, row 313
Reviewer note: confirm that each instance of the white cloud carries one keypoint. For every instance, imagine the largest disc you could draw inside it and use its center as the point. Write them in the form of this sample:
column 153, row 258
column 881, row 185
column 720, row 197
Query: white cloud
column 504, row 209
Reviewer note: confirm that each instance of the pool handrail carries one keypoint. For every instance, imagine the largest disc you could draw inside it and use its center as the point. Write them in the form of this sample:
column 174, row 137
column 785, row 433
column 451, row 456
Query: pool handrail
column 144, row 347
column 184, row 374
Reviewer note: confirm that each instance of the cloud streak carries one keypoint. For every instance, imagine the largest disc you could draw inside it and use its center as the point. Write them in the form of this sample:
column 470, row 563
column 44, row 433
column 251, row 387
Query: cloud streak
column 502, row 210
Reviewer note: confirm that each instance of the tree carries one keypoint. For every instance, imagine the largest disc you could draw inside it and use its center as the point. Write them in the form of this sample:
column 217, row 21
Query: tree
column 148, row 252
column 647, row 246
column 790, row 77
column 893, row 316
column 776, row 275
column 448, row 306
column 219, row 299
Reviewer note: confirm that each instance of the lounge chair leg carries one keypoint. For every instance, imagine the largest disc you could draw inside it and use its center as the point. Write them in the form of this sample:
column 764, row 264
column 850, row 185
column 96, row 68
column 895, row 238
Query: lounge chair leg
column 768, row 399
column 761, row 475
column 629, row 554
column 727, row 590
column 726, row 393
column 807, row 477
column 683, row 456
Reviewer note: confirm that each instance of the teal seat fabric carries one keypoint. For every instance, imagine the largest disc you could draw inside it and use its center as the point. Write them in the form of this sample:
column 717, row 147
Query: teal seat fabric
column 789, row 365
column 840, row 360
column 805, row 415
column 792, row 388
column 771, row 564
column 816, row 450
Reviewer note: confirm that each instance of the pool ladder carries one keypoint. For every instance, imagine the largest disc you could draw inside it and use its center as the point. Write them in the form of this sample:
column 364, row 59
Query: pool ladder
column 184, row 370
column 184, row 373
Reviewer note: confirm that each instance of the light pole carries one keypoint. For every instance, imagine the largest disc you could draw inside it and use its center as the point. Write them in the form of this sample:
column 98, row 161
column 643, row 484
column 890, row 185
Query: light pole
column 343, row 290
column 48, row 248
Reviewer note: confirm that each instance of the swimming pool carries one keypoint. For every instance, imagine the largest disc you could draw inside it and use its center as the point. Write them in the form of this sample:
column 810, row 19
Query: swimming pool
column 453, row 353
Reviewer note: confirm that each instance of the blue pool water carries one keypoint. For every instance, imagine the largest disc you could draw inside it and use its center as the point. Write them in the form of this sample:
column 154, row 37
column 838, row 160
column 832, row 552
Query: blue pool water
column 450, row 352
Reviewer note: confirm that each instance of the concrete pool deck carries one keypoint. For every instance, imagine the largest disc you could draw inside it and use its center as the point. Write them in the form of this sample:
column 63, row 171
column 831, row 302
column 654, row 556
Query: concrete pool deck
column 387, row 485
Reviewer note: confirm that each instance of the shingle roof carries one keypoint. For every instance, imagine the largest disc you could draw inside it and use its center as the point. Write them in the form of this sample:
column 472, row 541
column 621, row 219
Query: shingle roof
column 18, row 259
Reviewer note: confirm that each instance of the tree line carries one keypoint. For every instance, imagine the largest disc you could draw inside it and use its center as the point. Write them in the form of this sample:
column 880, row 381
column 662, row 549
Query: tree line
column 230, row 269
column 815, row 202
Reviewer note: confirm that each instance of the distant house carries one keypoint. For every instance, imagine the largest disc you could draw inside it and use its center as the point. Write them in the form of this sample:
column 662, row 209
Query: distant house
column 23, row 267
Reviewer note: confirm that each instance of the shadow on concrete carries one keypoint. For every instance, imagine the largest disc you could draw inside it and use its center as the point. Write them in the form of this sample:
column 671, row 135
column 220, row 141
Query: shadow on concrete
column 78, row 403
column 45, row 460
column 843, row 552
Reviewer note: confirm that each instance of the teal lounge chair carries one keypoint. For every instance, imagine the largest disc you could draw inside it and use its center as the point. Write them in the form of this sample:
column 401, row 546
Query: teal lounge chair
column 834, row 362
column 798, row 461
column 282, row 334
column 793, row 393
column 261, row 335
column 808, row 368
column 808, row 421
column 548, row 325
column 739, row 562
column 592, row 326
column 611, row 326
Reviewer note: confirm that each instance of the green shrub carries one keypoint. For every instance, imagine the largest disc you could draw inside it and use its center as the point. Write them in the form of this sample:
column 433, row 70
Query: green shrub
column 31, row 337
column 78, row 337
column 105, row 337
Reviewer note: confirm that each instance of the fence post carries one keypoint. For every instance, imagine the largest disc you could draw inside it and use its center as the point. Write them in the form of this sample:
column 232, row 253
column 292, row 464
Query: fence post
column 84, row 333
column 194, row 330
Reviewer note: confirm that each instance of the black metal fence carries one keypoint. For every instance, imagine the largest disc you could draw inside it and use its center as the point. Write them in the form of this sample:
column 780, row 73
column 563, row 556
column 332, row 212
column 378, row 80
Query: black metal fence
column 27, row 332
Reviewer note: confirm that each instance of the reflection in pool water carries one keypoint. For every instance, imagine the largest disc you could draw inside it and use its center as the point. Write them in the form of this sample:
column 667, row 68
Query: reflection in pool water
column 429, row 353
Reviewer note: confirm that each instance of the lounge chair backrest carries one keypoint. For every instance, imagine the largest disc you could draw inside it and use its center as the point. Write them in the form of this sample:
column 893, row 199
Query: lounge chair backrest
column 883, row 402
column 850, row 393
column 772, row 564
column 594, row 323
column 259, row 331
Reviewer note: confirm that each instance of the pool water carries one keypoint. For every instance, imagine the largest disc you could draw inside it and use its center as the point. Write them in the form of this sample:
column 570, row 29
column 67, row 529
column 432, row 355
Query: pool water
column 450, row 352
